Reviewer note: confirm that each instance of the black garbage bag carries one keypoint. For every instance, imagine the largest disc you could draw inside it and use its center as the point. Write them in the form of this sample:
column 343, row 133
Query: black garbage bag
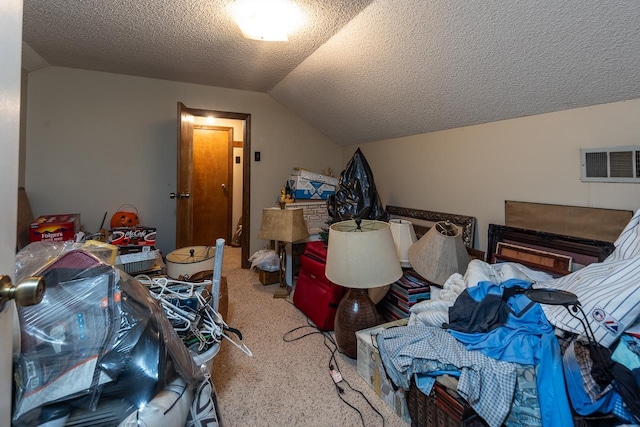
column 356, row 196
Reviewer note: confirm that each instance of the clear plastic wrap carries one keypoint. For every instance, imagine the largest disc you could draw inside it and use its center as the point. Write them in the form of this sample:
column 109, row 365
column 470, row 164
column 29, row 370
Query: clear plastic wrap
column 266, row 260
column 96, row 338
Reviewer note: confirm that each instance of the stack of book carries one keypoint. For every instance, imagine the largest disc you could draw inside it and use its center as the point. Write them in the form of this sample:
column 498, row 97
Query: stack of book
column 410, row 289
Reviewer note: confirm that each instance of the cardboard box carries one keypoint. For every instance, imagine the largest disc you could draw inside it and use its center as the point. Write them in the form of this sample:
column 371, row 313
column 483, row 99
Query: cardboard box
column 132, row 237
column 304, row 188
column 137, row 262
column 55, row 228
column 315, row 214
column 268, row 277
column 311, row 176
column 371, row 370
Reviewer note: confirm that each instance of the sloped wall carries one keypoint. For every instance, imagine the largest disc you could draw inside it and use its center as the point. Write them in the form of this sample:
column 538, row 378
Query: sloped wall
column 473, row 170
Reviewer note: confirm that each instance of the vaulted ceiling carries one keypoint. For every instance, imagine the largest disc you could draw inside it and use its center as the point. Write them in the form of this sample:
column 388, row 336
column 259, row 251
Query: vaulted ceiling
column 363, row 70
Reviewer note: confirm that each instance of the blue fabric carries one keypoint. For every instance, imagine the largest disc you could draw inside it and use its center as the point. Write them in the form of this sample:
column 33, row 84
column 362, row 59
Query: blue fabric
column 426, row 380
column 554, row 403
column 519, row 339
column 627, row 352
column 580, row 400
column 425, row 383
column 610, row 402
column 526, row 338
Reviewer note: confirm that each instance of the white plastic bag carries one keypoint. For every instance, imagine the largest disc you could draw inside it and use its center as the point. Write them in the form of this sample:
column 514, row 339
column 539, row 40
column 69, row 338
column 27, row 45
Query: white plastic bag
column 266, row 260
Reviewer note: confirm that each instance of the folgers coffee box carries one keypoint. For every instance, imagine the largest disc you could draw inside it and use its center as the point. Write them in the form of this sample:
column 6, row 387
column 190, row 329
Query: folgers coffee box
column 55, row 228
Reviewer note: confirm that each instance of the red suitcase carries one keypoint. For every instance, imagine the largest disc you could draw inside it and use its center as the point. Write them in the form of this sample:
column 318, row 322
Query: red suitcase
column 314, row 295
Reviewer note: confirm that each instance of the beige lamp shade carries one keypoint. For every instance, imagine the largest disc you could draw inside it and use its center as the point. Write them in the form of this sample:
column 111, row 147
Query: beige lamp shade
column 283, row 225
column 362, row 257
column 439, row 253
column 403, row 236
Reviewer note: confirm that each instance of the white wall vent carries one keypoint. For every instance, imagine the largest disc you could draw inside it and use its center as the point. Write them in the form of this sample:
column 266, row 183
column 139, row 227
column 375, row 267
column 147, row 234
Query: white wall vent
column 613, row 164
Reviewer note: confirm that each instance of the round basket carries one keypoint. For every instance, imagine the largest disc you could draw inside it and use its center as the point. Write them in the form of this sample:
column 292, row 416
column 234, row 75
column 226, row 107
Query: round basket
column 187, row 261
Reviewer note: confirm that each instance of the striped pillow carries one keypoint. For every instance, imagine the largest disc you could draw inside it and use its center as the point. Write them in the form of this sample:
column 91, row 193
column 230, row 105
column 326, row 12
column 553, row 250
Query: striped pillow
column 609, row 291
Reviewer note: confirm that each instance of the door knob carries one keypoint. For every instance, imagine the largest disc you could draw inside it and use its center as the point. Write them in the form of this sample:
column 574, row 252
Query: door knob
column 30, row 291
column 179, row 195
column 224, row 186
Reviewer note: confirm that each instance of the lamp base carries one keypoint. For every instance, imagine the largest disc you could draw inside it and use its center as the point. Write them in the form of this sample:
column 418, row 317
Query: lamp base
column 355, row 312
column 282, row 292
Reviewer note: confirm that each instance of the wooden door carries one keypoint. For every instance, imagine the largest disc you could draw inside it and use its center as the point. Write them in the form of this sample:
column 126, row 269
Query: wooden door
column 205, row 181
column 211, row 186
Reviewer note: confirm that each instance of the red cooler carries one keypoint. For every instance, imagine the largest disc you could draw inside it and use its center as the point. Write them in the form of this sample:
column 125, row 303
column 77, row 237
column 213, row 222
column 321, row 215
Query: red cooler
column 314, row 295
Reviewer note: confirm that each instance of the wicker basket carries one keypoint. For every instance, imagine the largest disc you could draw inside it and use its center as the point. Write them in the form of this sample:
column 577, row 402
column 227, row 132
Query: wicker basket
column 440, row 409
column 595, row 421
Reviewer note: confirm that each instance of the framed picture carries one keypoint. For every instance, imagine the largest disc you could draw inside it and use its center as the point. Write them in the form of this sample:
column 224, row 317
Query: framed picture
column 581, row 251
column 535, row 256
column 554, row 263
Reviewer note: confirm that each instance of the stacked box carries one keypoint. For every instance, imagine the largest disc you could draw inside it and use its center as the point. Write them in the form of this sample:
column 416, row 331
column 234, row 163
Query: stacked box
column 303, row 173
column 126, row 237
column 55, row 228
column 410, row 289
column 307, row 189
column 137, row 262
column 137, row 252
column 315, row 214
column 309, row 185
column 371, row 370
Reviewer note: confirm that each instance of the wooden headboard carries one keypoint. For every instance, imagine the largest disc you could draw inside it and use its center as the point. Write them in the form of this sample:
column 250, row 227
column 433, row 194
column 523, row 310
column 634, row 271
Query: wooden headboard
column 577, row 221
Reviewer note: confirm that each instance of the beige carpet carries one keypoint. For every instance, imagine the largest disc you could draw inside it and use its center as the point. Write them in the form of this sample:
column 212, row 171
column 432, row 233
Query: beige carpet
column 284, row 383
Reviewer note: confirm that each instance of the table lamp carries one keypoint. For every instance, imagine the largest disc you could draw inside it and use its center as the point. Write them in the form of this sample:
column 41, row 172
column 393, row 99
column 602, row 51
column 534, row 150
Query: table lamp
column 439, row 253
column 360, row 255
column 284, row 226
column 404, row 236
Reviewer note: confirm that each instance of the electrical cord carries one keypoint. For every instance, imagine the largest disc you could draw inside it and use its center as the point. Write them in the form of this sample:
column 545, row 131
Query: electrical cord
column 330, row 344
column 333, row 351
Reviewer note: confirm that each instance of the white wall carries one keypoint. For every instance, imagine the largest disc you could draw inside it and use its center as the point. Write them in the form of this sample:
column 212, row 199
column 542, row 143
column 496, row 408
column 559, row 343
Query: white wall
column 97, row 140
column 473, row 170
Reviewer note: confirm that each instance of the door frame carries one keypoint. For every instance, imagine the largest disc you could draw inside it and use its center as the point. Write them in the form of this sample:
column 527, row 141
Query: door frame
column 246, row 170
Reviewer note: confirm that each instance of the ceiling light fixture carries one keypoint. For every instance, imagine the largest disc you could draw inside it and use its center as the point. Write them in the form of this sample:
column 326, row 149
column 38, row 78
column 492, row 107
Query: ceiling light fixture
column 267, row 20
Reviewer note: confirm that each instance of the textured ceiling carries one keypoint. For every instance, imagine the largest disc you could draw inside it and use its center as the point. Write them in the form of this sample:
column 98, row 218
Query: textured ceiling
column 192, row 41
column 364, row 70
